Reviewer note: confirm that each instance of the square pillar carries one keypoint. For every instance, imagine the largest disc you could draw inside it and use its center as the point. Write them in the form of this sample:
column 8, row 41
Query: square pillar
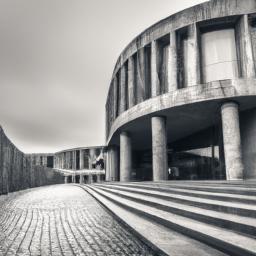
column 90, row 179
column 125, row 157
column 246, row 50
column 232, row 141
column 73, row 160
column 98, row 178
column 115, row 100
column 193, row 65
column 159, row 148
column 81, row 180
column 65, row 179
column 131, row 83
column 92, row 157
column 123, row 89
column 155, row 81
column 114, row 164
column 173, row 64
column 140, row 79
column 81, row 159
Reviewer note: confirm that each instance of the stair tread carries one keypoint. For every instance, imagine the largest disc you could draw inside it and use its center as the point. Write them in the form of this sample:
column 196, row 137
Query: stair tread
column 169, row 241
column 208, row 201
column 211, row 213
column 214, row 232
column 197, row 185
column 206, row 193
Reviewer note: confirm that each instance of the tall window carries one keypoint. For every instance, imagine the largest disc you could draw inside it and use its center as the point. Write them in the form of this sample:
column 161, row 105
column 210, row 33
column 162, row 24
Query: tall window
column 219, row 57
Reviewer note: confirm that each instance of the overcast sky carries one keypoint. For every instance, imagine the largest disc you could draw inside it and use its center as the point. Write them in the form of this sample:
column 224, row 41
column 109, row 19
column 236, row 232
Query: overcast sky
column 56, row 62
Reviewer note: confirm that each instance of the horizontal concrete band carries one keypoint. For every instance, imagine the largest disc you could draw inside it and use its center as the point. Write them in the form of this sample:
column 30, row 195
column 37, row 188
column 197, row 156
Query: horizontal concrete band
column 235, row 89
column 67, row 172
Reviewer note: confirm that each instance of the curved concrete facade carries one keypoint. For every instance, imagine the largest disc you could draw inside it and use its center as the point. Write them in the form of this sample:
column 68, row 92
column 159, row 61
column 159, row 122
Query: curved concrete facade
column 184, row 95
column 81, row 165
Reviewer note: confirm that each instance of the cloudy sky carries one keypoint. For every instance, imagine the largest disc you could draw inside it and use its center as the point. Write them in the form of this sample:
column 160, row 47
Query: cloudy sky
column 56, row 61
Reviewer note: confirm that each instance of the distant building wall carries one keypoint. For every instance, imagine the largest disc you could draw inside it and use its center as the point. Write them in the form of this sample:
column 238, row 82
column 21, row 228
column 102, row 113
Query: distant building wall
column 20, row 171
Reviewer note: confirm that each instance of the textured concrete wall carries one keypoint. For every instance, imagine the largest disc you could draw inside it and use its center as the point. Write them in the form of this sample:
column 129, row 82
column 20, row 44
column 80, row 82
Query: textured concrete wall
column 167, row 56
column 19, row 171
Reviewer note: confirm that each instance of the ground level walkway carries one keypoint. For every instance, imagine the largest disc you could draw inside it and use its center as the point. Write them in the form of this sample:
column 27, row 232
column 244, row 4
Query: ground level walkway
column 62, row 220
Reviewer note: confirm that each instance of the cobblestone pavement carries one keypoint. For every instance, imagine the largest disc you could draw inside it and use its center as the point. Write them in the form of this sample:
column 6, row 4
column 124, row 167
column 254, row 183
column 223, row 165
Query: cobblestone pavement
column 61, row 220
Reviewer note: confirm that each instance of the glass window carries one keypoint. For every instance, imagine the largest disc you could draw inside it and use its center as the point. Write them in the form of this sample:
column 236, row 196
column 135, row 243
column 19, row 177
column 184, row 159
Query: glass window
column 219, row 57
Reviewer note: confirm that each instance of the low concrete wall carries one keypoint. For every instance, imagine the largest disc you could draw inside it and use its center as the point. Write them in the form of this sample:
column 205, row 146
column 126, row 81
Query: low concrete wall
column 17, row 171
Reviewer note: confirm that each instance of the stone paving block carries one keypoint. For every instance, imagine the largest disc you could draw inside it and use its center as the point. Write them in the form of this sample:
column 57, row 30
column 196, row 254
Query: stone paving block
column 62, row 220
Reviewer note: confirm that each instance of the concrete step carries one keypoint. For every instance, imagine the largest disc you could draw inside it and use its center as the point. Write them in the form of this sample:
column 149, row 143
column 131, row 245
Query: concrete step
column 245, row 225
column 247, row 199
column 220, row 238
column 166, row 242
column 230, row 188
column 241, row 209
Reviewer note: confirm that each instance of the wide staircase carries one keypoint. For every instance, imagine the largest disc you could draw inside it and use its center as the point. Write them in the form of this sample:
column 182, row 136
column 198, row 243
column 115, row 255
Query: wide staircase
column 186, row 217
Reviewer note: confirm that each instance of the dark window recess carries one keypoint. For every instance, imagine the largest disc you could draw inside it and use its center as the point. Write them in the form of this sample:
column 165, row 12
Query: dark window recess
column 50, row 161
column 77, row 159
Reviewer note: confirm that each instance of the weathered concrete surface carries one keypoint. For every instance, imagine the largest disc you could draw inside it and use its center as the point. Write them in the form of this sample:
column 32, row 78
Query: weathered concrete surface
column 245, row 48
column 155, row 81
column 123, row 89
column 208, row 10
column 20, row 171
column 131, row 83
column 232, row 141
column 125, row 157
column 61, row 220
column 159, row 148
column 173, row 69
column 112, row 168
column 184, row 108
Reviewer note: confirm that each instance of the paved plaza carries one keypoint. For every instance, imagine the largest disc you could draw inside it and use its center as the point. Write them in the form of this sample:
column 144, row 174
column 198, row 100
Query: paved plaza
column 62, row 220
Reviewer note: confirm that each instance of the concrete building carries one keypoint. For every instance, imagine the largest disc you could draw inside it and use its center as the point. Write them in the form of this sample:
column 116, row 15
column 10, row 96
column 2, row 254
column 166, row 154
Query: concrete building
column 182, row 98
column 81, row 165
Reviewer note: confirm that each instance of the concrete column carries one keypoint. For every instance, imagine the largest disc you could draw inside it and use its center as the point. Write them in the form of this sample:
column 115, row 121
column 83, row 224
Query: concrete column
column 73, row 160
column 232, row 141
column 173, row 64
column 141, row 84
column 155, row 81
column 81, row 159
column 66, row 179
column 125, row 157
column 73, row 178
column 115, row 101
column 114, row 164
column 81, row 180
column 194, row 75
column 92, row 157
column 90, row 179
column 98, row 178
column 248, row 68
column 123, row 89
column 65, row 160
column 131, row 83
column 159, row 148
column 107, row 169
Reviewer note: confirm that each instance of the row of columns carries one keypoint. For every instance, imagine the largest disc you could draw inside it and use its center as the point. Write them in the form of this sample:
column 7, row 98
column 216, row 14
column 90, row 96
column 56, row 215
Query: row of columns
column 229, row 110
column 67, row 160
column 82, row 178
column 231, row 141
column 125, row 98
